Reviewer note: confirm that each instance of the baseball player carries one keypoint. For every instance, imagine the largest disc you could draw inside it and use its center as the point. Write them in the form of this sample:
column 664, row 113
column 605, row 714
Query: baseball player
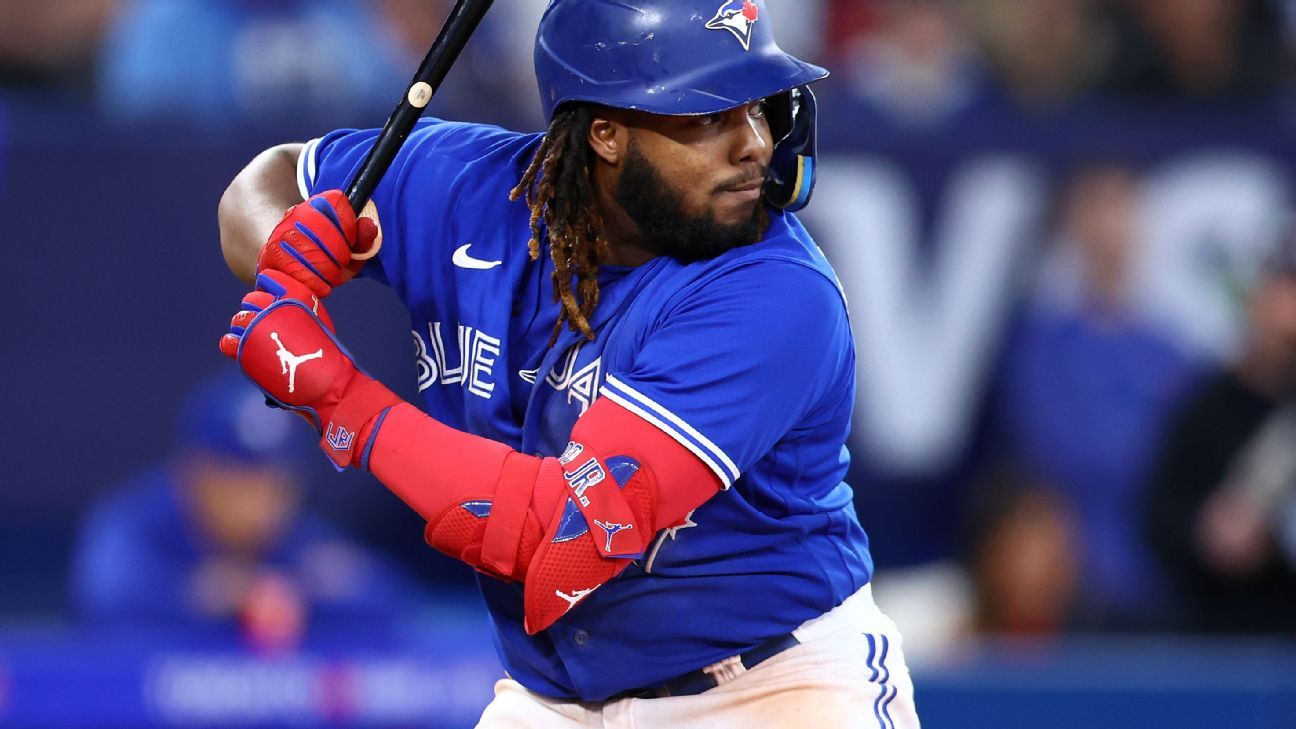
column 636, row 371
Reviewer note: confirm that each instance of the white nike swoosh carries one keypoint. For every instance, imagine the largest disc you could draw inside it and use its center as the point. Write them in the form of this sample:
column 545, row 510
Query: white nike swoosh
column 463, row 260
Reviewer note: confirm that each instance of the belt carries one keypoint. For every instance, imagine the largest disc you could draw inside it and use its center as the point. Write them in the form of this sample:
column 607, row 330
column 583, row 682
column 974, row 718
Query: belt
column 720, row 672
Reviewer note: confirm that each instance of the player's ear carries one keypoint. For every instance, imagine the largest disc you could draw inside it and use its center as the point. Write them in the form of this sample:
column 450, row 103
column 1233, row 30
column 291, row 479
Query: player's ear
column 608, row 139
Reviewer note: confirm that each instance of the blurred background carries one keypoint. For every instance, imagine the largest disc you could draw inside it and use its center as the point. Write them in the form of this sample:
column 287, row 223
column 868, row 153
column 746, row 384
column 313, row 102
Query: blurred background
column 1064, row 227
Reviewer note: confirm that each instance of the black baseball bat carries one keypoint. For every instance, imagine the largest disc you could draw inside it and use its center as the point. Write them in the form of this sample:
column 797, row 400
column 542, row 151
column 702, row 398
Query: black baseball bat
column 454, row 35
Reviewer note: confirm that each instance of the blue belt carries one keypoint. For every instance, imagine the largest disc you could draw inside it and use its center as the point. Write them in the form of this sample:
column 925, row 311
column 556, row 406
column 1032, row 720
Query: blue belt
column 705, row 679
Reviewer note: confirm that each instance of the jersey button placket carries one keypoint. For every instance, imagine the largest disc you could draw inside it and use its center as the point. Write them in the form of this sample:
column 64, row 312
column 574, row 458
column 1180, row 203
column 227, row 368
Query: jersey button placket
column 581, row 637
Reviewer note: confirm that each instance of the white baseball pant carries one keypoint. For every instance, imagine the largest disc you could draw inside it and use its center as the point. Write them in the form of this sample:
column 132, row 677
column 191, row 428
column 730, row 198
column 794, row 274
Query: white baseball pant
column 840, row 676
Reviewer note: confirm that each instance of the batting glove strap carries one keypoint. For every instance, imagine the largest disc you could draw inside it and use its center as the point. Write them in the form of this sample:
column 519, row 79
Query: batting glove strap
column 347, row 437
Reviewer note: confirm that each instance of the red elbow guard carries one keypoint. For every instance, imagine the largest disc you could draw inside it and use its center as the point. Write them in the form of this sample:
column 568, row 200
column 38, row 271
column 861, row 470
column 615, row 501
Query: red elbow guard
column 564, row 526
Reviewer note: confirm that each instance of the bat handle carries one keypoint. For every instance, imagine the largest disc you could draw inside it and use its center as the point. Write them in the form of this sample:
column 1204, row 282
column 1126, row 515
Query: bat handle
column 459, row 26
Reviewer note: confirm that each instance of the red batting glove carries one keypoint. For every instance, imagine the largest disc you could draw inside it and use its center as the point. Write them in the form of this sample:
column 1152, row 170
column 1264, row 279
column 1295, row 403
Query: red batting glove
column 287, row 348
column 314, row 241
column 270, row 286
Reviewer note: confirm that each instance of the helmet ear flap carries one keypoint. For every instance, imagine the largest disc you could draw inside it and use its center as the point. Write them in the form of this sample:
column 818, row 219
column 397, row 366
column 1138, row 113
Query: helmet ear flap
column 780, row 113
column 792, row 171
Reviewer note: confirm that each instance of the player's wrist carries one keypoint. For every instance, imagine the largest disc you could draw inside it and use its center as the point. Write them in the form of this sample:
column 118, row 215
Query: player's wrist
column 349, row 425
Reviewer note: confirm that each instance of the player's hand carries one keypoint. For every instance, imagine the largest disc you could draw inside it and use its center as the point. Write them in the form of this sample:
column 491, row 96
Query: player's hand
column 271, row 286
column 286, row 346
column 315, row 240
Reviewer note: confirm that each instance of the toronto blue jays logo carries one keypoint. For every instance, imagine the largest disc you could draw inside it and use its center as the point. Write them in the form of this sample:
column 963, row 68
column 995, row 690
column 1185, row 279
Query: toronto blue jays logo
column 738, row 20
column 611, row 529
column 338, row 438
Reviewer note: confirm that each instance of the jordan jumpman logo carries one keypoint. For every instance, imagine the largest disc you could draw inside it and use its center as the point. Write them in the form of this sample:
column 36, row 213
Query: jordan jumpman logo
column 611, row 529
column 575, row 597
column 288, row 361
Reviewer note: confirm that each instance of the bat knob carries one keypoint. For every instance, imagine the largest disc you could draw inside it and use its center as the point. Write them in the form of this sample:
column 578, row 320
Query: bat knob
column 370, row 211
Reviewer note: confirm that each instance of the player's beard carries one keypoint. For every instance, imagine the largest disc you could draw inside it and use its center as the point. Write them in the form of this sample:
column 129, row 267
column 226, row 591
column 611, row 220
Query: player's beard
column 657, row 208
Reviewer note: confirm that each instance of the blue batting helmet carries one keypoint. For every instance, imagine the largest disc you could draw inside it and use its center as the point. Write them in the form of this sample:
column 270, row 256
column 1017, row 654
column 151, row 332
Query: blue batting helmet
column 683, row 57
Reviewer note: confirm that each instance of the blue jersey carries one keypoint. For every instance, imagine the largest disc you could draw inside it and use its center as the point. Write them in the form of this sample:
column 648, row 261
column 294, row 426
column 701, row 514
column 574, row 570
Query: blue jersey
column 745, row 359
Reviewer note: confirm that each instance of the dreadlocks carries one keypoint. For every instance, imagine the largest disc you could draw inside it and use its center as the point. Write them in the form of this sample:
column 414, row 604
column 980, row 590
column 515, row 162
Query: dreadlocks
column 560, row 194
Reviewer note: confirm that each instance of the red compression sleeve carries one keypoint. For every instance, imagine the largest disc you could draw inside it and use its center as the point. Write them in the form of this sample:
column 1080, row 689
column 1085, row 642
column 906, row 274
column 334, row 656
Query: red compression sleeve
column 449, row 476
column 414, row 452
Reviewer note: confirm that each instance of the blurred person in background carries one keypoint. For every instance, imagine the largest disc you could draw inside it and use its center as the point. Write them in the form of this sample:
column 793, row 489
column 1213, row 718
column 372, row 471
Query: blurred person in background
column 1023, row 557
column 1017, row 574
column 1043, row 52
column 51, row 44
column 1086, row 387
column 264, row 62
column 215, row 541
column 911, row 61
column 1221, row 512
column 1228, row 50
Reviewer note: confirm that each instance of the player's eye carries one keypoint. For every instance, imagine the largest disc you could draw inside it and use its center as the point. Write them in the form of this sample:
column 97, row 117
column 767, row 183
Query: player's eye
column 707, row 120
column 757, row 110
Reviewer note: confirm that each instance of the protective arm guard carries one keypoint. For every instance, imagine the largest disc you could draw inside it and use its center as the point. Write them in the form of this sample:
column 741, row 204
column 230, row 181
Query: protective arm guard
column 563, row 526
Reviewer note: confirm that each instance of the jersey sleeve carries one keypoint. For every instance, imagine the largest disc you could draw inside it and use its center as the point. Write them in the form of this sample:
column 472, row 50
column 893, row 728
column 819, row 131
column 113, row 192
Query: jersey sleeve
column 415, row 197
column 738, row 363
